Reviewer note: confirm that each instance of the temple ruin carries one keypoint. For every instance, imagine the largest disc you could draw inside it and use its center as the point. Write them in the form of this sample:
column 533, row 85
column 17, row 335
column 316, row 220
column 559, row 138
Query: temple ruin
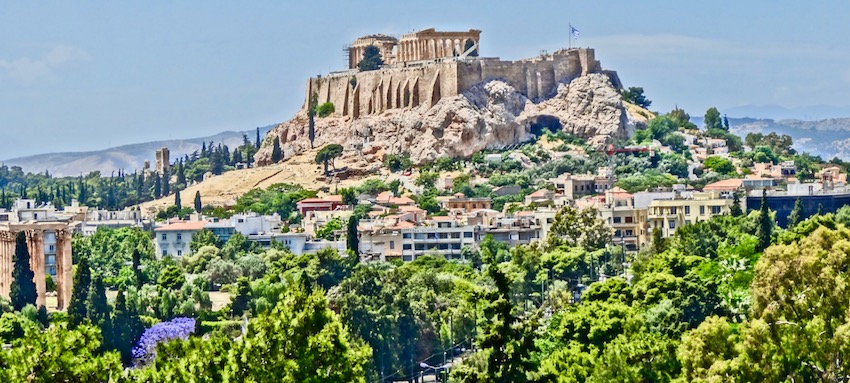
column 49, row 245
column 423, row 67
column 36, row 233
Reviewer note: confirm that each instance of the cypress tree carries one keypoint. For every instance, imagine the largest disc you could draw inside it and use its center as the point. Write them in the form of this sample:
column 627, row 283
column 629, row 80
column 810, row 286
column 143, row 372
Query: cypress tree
column 311, row 113
column 257, row 143
column 181, row 173
column 126, row 328
column 23, row 289
column 735, row 209
column 796, row 214
column 277, row 155
column 157, row 187
column 765, row 224
column 352, row 241
column 177, row 201
column 77, row 311
column 97, row 308
column 166, row 178
column 198, row 205
column 137, row 268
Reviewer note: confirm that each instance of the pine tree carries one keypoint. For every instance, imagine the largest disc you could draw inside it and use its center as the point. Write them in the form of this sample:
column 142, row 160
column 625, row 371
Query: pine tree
column 198, row 205
column 77, row 312
column 735, row 210
column 177, row 201
column 765, row 224
column 796, row 214
column 276, row 152
column 352, row 241
column 243, row 295
column 23, row 289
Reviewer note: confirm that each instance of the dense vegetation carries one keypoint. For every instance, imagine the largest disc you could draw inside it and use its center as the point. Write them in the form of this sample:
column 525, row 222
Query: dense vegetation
column 708, row 304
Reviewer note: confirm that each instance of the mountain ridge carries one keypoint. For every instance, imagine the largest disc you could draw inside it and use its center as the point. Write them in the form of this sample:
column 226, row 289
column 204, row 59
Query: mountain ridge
column 128, row 157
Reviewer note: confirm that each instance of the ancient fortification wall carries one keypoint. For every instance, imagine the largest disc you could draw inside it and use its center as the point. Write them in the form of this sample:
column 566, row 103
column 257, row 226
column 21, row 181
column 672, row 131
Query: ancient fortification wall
column 408, row 85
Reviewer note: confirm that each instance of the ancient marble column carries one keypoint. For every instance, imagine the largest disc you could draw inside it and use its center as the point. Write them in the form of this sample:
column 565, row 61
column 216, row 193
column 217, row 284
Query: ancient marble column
column 35, row 244
column 7, row 254
column 64, row 275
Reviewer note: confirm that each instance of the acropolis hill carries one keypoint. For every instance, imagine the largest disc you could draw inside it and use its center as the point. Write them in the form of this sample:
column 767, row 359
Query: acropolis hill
column 435, row 96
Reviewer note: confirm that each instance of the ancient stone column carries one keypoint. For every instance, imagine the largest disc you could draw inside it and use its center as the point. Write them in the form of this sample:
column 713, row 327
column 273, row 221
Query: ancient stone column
column 35, row 245
column 7, row 253
column 64, row 273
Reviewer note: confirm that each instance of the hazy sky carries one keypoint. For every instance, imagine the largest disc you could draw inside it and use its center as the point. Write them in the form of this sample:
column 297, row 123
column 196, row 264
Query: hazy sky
column 89, row 75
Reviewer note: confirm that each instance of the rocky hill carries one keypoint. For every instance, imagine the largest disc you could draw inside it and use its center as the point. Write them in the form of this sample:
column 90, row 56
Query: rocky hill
column 490, row 115
column 127, row 157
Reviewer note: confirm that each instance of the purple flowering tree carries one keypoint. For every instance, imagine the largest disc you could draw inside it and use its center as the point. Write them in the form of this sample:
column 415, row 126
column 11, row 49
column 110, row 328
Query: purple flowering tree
column 177, row 328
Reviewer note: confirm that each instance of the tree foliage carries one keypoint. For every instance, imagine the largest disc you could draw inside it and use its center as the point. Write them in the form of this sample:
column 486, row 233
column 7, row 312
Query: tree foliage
column 23, row 288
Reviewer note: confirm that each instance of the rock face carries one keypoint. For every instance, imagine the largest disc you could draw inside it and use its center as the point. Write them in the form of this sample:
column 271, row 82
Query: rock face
column 489, row 115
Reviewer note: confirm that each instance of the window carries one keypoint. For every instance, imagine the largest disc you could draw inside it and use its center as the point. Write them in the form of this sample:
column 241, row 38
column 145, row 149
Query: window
column 630, row 219
column 715, row 210
column 687, row 210
column 672, row 210
column 467, row 234
column 630, row 233
column 618, row 220
column 51, row 248
column 406, row 246
column 702, row 210
column 392, row 245
column 164, row 237
column 406, row 235
column 179, row 253
column 618, row 233
column 672, row 224
column 164, row 253
column 455, row 235
column 179, row 236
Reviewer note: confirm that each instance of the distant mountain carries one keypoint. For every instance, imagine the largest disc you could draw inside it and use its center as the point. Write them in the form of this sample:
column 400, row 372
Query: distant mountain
column 826, row 138
column 128, row 157
column 776, row 112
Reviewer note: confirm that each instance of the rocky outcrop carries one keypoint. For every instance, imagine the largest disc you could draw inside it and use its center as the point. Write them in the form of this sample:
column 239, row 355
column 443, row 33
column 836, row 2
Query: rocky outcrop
column 489, row 115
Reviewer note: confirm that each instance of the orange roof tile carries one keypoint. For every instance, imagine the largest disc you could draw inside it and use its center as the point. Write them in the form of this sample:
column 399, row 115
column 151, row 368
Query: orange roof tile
column 183, row 226
column 730, row 184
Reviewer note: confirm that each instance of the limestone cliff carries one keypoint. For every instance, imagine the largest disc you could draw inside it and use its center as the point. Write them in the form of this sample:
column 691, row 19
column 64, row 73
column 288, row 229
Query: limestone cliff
column 489, row 115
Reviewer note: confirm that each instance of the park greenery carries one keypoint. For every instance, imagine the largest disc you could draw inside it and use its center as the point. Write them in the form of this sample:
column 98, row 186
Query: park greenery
column 734, row 299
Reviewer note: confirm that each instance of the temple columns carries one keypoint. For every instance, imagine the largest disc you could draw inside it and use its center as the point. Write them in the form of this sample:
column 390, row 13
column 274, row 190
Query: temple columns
column 35, row 245
column 64, row 273
column 7, row 254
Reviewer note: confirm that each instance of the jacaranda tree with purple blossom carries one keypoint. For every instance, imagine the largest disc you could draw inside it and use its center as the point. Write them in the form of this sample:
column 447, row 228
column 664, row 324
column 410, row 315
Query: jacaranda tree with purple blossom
column 177, row 328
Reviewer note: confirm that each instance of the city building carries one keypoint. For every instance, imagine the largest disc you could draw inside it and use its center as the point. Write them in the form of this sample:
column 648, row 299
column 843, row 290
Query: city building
column 331, row 202
column 459, row 201
column 174, row 238
column 671, row 214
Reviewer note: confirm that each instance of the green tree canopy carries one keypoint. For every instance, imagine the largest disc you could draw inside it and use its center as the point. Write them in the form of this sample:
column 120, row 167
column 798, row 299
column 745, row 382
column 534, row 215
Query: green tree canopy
column 371, row 59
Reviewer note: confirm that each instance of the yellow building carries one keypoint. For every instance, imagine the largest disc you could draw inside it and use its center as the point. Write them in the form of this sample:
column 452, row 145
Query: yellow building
column 670, row 214
column 628, row 222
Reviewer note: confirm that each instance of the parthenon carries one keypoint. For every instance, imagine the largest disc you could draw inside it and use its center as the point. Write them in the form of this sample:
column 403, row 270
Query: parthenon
column 427, row 44
column 36, row 233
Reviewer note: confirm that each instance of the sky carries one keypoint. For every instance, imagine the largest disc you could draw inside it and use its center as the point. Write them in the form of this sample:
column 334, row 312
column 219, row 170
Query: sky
column 78, row 76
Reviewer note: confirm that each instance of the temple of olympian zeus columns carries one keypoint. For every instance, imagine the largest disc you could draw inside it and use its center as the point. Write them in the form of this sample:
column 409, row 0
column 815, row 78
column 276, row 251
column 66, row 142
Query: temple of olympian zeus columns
column 427, row 44
column 35, row 232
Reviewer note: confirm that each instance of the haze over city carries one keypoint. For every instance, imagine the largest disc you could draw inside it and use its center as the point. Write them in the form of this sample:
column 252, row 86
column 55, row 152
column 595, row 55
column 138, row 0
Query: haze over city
column 104, row 74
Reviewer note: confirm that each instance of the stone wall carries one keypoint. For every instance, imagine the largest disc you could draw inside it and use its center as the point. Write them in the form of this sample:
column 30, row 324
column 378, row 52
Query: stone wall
column 357, row 94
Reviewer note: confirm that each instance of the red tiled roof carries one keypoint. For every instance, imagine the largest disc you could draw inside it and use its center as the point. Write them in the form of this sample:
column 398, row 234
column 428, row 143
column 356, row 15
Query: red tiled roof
column 183, row 226
column 730, row 184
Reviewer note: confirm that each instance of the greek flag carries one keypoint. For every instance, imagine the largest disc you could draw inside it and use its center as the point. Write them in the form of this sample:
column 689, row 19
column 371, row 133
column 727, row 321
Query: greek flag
column 574, row 32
